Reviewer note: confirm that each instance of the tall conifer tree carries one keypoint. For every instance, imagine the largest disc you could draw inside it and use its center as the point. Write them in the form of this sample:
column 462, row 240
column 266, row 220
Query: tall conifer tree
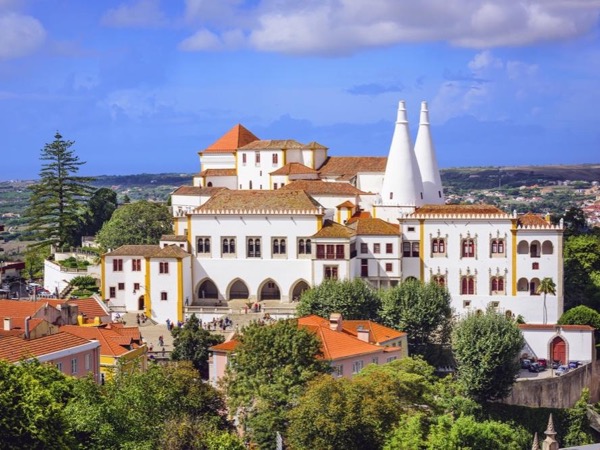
column 58, row 198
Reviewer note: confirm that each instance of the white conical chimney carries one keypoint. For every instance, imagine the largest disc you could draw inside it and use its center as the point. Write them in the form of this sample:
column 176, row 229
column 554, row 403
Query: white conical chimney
column 402, row 185
column 425, row 153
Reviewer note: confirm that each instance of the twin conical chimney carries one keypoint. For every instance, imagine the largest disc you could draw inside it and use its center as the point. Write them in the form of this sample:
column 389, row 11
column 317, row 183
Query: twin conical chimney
column 402, row 185
column 428, row 166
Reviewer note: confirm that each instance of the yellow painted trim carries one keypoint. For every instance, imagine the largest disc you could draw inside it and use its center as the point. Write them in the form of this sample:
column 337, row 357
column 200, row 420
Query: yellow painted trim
column 319, row 222
column 339, row 216
column 103, row 277
column 189, row 231
column 374, row 212
column 348, row 213
column 312, row 150
column 284, row 157
column 176, row 226
column 179, row 290
column 513, row 232
column 148, row 299
column 421, row 249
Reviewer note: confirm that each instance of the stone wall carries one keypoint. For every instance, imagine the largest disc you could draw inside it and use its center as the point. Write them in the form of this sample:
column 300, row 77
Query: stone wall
column 558, row 392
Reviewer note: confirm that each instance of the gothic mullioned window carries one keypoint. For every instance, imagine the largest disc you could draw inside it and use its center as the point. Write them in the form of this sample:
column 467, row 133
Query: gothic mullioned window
column 468, row 248
column 467, row 285
column 497, row 285
column 497, row 247
column 438, row 247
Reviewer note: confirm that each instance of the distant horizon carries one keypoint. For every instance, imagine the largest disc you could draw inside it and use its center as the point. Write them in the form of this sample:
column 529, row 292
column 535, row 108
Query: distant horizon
column 143, row 85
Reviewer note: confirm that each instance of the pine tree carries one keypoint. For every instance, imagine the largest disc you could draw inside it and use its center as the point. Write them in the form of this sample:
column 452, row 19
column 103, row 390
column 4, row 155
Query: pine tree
column 57, row 199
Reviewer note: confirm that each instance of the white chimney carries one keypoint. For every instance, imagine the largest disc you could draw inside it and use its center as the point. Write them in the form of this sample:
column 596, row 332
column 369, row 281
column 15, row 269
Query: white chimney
column 7, row 324
column 363, row 334
column 335, row 322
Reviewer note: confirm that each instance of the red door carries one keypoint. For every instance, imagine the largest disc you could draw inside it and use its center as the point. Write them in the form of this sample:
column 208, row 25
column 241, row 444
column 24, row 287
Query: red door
column 559, row 350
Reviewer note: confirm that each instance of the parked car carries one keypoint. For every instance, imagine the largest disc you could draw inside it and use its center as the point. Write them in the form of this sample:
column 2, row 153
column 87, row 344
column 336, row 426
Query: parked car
column 574, row 364
column 555, row 364
column 525, row 363
column 543, row 362
column 562, row 370
column 535, row 367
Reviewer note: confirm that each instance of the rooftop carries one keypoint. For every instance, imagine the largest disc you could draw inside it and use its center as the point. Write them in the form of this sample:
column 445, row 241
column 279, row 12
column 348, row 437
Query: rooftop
column 280, row 200
column 346, row 167
column 320, row 187
column 272, row 144
column 14, row 349
column 331, row 229
column 374, row 227
column 236, row 137
column 197, row 191
column 294, row 168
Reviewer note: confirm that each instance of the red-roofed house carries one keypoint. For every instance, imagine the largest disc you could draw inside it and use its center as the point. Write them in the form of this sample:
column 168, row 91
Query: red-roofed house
column 348, row 345
column 72, row 355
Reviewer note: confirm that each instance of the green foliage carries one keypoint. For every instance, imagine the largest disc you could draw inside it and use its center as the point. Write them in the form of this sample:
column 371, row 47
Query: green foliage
column 581, row 315
column 579, row 432
column 486, row 348
column 73, row 263
column 34, row 262
column 582, row 271
column 192, row 342
column 99, row 209
column 136, row 223
column 547, row 286
column 32, row 397
column 359, row 413
column 84, row 281
column 139, row 410
column 267, row 374
column 57, row 200
column 423, row 311
column 353, row 299
column 574, row 222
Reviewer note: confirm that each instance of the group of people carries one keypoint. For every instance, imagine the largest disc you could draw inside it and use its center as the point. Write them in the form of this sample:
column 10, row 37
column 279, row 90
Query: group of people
column 221, row 324
column 141, row 318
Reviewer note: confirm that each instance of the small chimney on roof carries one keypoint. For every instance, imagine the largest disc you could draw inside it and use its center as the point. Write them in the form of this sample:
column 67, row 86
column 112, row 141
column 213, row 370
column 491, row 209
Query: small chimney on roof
column 335, row 322
column 363, row 334
column 7, row 324
column 27, row 319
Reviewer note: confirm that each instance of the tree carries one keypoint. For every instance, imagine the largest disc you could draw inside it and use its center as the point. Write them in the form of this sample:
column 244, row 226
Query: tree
column 581, row 315
column 100, row 208
column 582, row 271
column 575, row 222
column 57, row 200
column 423, row 311
column 486, row 348
column 192, row 343
column 547, row 286
column 359, row 413
column 34, row 262
column 579, row 432
column 141, row 222
column 267, row 374
column 32, row 399
column 353, row 299
column 139, row 409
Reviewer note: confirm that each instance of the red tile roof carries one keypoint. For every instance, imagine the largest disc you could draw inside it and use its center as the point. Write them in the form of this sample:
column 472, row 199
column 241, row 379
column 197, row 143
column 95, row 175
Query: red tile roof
column 236, row 137
column 347, row 167
column 135, row 250
column 272, row 144
column 379, row 334
column 441, row 210
column 14, row 349
column 227, row 346
column 279, row 200
column 346, row 204
column 374, row 227
column 90, row 307
column 218, row 173
column 16, row 308
column 320, row 187
column 110, row 338
column 197, row 191
column 331, row 229
column 531, row 219
column 294, row 168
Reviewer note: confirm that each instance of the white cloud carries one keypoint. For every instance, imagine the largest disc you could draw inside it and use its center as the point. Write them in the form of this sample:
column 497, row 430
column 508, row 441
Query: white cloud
column 143, row 13
column 201, row 40
column 346, row 26
column 19, row 35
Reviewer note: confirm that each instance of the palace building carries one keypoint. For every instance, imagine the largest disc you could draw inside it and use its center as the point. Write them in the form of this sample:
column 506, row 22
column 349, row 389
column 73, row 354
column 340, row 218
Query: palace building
column 267, row 219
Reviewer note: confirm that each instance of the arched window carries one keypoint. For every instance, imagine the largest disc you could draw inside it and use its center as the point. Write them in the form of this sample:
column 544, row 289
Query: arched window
column 439, row 279
column 308, row 247
column 301, row 247
column 250, row 248
column 232, row 245
column 225, row 245
column 468, row 248
column 282, row 249
column 523, row 248
column 523, row 285
column 206, row 245
column 497, row 285
column 276, row 246
column 467, row 285
column 209, row 184
column 534, row 249
column 497, row 247
column 547, row 248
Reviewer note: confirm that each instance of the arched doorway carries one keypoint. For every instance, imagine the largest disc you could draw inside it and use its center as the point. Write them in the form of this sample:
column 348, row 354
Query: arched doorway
column 558, row 350
column 238, row 290
column 208, row 289
column 269, row 291
column 298, row 289
column 141, row 303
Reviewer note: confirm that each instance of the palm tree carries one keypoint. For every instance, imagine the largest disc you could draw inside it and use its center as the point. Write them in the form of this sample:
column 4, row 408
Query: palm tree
column 547, row 286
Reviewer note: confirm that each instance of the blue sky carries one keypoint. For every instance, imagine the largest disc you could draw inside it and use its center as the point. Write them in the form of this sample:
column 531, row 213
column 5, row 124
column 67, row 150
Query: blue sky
column 143, row 85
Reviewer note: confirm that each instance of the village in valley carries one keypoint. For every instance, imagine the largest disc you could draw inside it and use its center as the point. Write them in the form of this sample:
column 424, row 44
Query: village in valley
column 280, row 284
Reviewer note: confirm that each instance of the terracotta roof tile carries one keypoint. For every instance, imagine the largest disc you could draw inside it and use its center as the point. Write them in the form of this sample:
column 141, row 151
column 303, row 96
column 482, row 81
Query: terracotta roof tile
column 374, row 227
column 197, row 191
column 236, row 137
column 379, row 333
column 279, row 201
column 358, row 215
column 294, row 168
column 218, row 173
column 135, row 250
column 331, row 229
column 14, row 349
column 531, row 219
column 90, row 307
column 228, row 346
column 320, row 187
column 173, row 238
column 315, row 145
column 346, row 204
column 109, row 337
column 346, row 167
column 442, row 210
column 171, row 251
column 272, row 144
column 16, row 308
